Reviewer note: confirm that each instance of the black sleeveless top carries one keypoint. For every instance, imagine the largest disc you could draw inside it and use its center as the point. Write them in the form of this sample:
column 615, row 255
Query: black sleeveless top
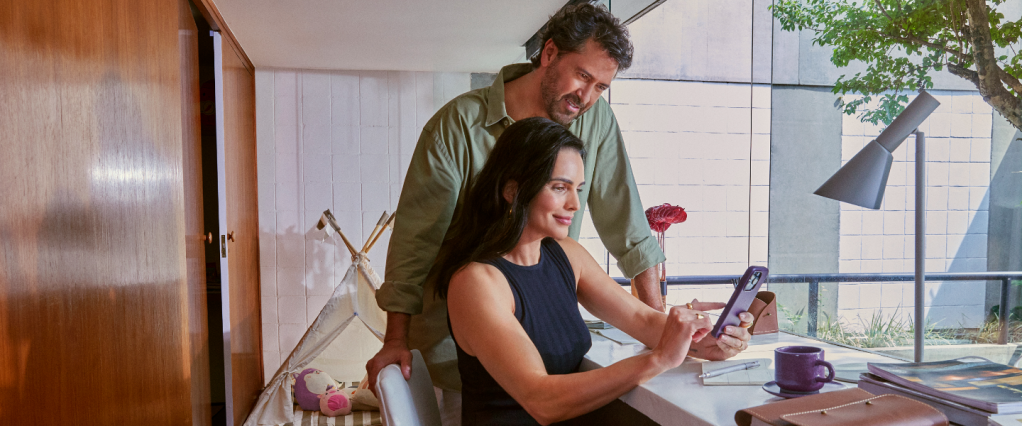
column 547, row 307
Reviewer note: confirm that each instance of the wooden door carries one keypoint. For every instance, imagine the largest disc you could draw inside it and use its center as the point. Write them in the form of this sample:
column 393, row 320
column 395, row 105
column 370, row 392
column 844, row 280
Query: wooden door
column 194, row 238
column 93, row 295
column 239, row 227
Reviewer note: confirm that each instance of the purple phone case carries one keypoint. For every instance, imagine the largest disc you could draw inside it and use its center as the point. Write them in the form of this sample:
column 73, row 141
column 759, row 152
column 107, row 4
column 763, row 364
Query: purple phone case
column 740, row 300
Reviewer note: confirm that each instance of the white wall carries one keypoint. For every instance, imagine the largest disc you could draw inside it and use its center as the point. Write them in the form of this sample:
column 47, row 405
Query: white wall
column 329, row 140
column 705, row 147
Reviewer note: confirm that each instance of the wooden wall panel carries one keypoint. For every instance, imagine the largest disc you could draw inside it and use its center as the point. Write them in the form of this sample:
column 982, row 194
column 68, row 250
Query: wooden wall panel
column 93, row 298
column 243, row 220
column 195, row 244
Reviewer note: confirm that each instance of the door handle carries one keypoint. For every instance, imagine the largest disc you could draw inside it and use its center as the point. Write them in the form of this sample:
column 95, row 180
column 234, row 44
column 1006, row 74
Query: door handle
column 208, row 238
column 230, row 237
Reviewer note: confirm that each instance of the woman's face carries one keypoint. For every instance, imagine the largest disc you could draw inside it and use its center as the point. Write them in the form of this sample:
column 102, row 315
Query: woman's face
column 550, row 213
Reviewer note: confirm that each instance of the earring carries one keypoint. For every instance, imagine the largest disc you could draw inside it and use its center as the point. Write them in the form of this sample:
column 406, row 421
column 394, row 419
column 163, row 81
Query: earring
column 509, row 212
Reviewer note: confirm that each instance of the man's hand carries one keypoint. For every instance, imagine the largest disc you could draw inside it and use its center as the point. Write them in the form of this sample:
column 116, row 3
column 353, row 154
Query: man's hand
column 394, row 351
column 732, row 341
column 646, row 287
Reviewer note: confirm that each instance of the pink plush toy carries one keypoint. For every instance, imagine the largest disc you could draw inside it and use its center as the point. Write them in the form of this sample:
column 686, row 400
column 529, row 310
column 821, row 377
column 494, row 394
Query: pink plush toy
column 334, row 403
column 309, row 384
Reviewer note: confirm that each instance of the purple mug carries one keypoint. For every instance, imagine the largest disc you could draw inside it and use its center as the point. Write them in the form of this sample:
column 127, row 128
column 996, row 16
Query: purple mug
column 800, row 368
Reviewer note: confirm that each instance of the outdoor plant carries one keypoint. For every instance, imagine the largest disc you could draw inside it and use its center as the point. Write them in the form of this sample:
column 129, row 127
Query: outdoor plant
column 902, row 42
column 990, row 331
column 877, row 331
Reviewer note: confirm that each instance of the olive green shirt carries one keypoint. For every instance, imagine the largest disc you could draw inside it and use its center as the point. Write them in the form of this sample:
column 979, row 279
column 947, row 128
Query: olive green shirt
column 453, row 146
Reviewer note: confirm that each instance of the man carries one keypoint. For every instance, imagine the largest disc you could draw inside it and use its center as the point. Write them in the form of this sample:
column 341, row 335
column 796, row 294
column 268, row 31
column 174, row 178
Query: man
column 584, row 49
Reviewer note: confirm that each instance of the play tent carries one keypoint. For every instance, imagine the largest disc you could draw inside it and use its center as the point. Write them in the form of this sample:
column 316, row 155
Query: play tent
column 345, row 334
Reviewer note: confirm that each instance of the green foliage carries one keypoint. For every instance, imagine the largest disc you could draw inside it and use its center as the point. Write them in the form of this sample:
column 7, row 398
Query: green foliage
column 791, row 321
column 877, row 332
column 900, row 41
column 991, row 330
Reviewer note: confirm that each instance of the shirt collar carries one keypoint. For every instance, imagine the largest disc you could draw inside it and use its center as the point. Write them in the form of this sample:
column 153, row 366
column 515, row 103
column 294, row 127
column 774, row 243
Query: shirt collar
column 496, row 110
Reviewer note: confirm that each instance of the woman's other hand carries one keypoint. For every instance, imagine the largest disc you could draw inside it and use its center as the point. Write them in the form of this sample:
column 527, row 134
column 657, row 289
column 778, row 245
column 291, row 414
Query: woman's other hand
column 683, row 328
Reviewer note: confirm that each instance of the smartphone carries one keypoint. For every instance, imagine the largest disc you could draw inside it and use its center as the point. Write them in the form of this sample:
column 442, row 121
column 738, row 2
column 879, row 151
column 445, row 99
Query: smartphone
column 741, row 299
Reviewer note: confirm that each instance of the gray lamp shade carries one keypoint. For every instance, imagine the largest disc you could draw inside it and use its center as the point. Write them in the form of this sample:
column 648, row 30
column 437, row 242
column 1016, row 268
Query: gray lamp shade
column 862, row 180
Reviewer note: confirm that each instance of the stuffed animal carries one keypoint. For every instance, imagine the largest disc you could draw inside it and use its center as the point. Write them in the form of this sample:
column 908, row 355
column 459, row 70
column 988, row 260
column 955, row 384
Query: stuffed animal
column 309, row 384
column 362, row 399
column 334, row 403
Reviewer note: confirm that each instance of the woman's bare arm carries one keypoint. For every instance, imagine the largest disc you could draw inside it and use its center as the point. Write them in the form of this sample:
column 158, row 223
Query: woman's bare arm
column 602, row 296
column 481, row 309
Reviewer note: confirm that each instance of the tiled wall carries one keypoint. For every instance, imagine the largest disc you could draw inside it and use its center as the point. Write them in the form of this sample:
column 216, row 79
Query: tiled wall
column 958, row 138
column 337, row 140
column 704, row 147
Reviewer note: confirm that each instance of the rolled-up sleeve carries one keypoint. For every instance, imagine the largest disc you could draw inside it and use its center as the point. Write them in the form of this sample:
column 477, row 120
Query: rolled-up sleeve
column 616, row 210
column 424, row 211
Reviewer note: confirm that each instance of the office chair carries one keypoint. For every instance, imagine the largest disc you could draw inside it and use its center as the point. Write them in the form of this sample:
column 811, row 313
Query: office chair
column 407, row 403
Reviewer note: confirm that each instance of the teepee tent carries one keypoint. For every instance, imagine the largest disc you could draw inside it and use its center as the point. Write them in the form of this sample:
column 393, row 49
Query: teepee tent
column 335, row 342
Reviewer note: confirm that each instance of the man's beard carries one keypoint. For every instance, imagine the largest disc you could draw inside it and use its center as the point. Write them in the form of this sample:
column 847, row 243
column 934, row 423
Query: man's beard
column 551, row 100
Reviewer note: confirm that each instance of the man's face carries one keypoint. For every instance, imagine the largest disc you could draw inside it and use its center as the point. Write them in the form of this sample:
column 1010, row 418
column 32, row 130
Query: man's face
column 573, row 81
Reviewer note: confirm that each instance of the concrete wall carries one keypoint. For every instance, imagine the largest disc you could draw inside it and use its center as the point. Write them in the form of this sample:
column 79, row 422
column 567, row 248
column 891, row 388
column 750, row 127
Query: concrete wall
column 739, row 41
column 1004, row 243
column 805, row 152
column 329, row 140
column 703, row 41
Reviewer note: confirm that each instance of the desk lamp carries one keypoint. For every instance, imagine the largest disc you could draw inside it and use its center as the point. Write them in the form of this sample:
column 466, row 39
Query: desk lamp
column 863, row 179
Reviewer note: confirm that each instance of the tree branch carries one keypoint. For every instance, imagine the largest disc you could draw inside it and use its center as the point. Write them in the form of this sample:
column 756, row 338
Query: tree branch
column 963, row 72
column 882, row 10
column 987, row 71
column 959, row 54
column 1010, row 80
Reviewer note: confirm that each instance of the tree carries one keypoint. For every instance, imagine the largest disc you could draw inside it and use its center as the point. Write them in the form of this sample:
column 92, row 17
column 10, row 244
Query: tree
column 902, row 41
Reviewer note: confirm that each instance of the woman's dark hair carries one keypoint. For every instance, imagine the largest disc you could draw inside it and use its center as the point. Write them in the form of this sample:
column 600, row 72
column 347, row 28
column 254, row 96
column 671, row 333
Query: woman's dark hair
column 488, row 226
column 572, row 26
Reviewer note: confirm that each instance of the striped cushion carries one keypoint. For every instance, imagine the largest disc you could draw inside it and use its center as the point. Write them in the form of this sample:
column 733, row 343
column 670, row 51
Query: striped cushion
column 315, row 418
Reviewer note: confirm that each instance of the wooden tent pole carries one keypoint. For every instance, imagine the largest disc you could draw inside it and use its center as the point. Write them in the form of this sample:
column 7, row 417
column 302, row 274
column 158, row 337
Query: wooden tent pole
column 389, row 224
column 379, row 224
column 333, row 224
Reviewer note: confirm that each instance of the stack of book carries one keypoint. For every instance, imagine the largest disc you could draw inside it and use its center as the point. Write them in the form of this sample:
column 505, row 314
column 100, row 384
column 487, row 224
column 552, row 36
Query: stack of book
column 969, row 391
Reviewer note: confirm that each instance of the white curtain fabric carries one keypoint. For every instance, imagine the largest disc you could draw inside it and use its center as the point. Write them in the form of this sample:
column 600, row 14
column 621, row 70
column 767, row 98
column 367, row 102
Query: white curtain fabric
column 354, row 297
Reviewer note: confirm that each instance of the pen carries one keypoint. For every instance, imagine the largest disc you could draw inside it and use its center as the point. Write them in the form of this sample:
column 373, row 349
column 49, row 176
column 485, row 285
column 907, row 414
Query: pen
column 725, row 370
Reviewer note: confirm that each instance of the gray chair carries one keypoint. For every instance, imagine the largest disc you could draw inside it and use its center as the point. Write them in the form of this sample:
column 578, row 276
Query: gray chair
column 407, row 402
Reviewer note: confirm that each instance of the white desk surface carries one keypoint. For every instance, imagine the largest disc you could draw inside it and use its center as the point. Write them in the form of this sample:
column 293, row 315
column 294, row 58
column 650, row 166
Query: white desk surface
column 677, row 397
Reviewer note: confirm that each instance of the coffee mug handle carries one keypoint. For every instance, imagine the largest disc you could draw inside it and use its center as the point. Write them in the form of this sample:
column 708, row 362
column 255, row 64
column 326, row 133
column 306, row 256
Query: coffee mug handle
column 830, row 377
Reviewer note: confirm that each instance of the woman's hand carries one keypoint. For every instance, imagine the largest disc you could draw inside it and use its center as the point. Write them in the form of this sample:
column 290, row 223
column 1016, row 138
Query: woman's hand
column 732, row 340
column 683, row 328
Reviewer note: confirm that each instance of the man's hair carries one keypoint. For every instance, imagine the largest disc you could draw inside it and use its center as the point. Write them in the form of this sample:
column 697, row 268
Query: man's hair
column 572, row 26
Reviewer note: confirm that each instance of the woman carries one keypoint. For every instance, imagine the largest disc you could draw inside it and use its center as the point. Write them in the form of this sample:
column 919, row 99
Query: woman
column 512, row 279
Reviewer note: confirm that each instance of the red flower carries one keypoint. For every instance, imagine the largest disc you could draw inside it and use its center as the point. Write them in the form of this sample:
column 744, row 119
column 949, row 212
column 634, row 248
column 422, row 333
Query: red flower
column 661, row 217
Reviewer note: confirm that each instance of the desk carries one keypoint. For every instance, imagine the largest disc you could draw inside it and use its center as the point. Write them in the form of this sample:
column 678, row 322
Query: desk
column 677, row 397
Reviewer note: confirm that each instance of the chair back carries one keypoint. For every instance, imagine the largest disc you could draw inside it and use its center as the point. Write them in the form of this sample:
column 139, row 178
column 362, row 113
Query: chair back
column 407, row 402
